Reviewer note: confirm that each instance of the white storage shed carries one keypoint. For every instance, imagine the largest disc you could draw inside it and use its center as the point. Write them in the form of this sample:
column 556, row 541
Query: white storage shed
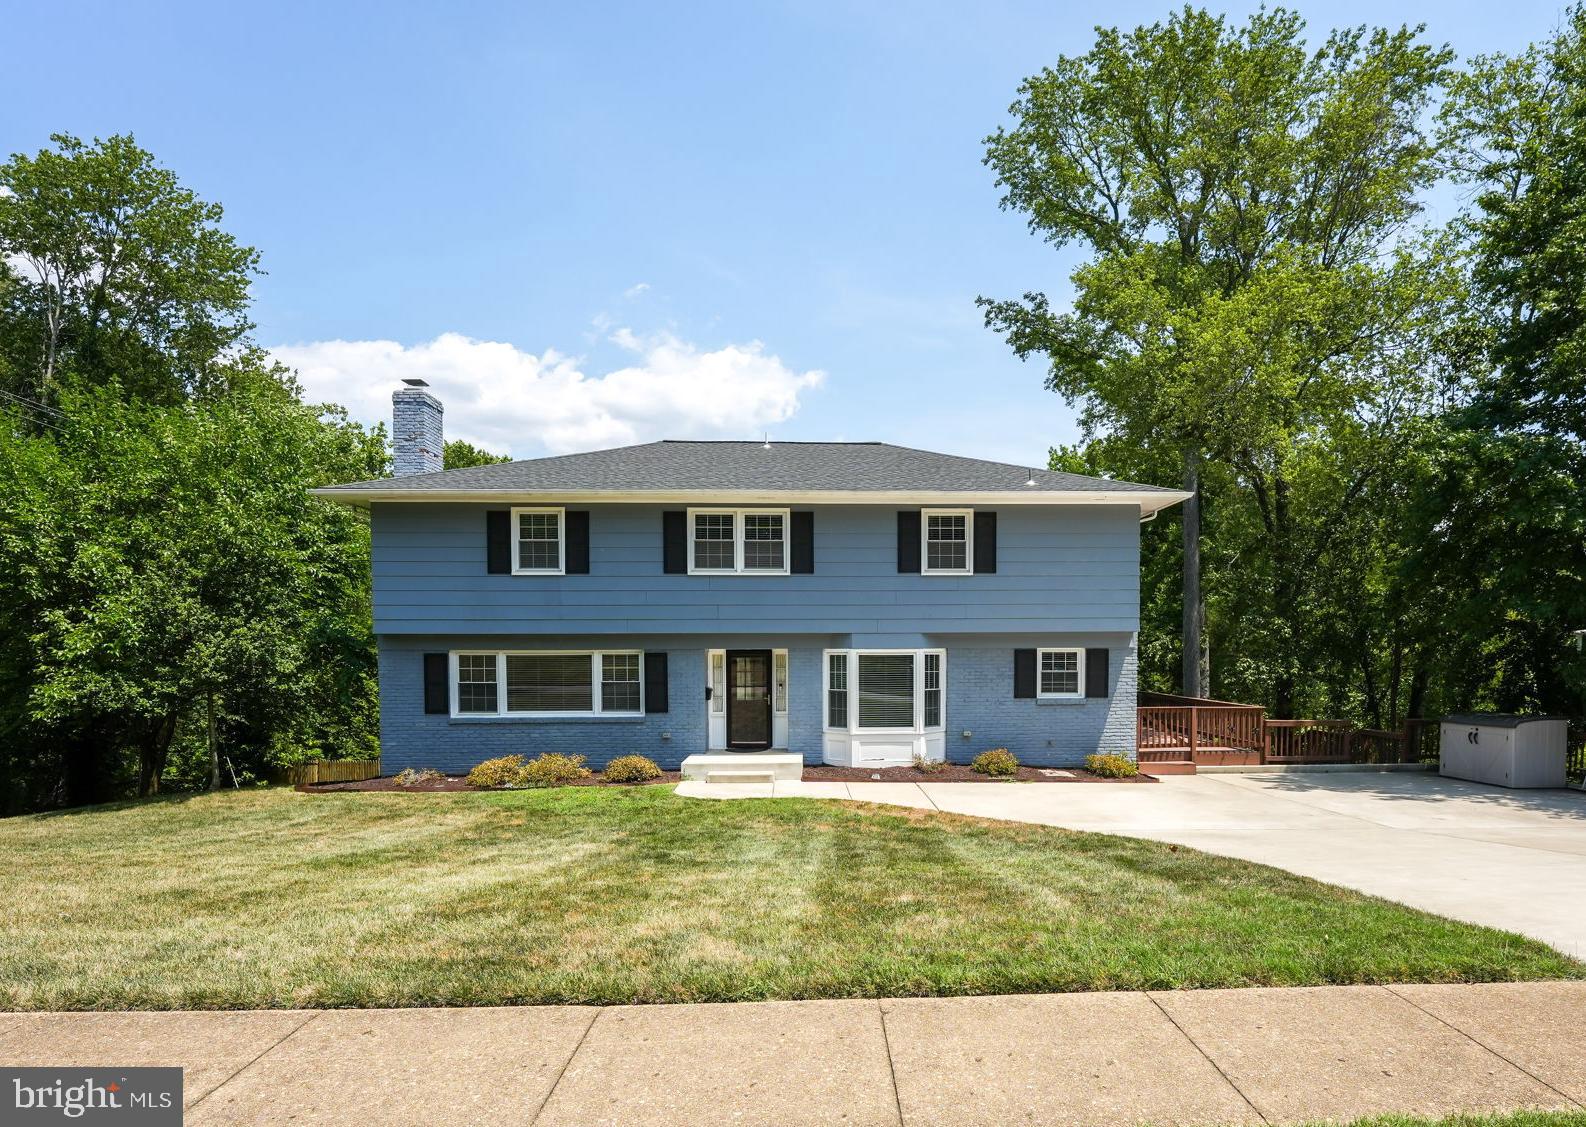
column 1510, row 751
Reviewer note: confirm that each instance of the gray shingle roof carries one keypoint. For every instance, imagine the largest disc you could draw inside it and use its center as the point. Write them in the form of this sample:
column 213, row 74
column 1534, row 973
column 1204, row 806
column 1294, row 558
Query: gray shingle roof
column 685, row 466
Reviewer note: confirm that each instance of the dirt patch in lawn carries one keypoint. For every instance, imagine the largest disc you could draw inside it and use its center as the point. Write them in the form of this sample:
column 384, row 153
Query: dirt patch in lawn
column 458, row 782
column 957, row 773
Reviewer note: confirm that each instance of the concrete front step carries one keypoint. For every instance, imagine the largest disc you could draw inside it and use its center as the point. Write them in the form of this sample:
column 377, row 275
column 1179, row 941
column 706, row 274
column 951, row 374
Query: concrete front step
column 744, row 767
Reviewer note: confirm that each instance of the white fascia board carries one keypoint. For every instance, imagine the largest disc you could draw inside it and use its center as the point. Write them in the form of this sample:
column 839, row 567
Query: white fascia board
column 1148, row 502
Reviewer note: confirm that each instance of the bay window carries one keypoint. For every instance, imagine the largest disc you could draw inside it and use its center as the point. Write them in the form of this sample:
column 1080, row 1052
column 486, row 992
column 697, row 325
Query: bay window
column 579, row 683
column 885, row 690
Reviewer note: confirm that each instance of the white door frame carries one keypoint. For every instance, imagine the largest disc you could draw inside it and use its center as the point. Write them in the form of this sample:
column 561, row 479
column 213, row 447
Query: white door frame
column 716, row 718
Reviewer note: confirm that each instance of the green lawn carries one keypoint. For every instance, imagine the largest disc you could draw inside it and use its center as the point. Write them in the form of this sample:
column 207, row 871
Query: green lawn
column 274, row 898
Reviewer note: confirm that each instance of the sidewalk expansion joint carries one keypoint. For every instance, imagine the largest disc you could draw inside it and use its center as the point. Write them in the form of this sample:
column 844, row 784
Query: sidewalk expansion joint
column 1480, row 1044
column 892, row 1067
column 1229, row 1080
column 566, row 1064
column 260, row 1055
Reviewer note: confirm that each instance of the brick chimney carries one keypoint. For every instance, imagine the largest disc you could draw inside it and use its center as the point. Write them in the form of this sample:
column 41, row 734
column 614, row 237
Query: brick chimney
column 417, row 439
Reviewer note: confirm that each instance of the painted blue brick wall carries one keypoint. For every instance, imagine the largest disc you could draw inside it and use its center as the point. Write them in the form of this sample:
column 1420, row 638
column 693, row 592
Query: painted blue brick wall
column 1059, row 568
column 979, row 698
column 1039, row 733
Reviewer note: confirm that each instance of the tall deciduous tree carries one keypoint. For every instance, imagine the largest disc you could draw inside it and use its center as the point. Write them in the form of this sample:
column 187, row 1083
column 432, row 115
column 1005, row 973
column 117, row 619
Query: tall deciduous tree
column 1245, row 298
column 117, row 272
column 1505, row 524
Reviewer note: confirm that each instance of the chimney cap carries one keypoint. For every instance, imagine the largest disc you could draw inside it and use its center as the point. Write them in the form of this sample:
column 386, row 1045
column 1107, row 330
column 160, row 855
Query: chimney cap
column 414, row 382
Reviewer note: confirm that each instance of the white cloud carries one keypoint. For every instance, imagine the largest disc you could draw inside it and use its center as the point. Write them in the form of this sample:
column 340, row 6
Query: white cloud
column 511, row 401
column 635, row 290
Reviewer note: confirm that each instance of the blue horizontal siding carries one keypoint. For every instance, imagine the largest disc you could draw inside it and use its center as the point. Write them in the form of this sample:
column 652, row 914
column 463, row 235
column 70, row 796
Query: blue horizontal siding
column 1059, row 568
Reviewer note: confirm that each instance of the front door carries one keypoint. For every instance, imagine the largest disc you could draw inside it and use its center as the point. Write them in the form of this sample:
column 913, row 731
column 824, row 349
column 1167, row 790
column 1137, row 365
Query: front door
column 749, row 698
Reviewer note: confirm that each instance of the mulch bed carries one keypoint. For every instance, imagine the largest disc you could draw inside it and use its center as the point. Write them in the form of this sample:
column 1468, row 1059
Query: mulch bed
column 457, row 782
column 952, row 773
column 957, row 773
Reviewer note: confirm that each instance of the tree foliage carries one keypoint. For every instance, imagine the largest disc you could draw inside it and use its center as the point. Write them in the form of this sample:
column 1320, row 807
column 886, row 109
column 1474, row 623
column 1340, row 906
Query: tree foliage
column 159, row 548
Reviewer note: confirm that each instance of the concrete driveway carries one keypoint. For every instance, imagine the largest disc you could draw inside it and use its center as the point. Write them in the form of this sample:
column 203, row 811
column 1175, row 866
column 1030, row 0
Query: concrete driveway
column 1509, row 859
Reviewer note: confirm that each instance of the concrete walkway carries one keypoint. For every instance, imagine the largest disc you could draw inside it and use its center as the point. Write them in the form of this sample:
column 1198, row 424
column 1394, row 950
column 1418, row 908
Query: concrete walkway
column 1512, row 859
column 1213, row 1056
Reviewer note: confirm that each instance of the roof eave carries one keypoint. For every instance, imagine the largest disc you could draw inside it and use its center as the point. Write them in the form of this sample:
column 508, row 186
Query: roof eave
column 1149, row 501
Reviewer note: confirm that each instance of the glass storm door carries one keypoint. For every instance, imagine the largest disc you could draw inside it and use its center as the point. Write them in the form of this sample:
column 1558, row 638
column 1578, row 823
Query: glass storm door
column 749, row 698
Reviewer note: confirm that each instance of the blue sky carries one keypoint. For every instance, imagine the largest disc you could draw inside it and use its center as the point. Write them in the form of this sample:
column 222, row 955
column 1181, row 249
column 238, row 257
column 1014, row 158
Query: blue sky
column 580, row 219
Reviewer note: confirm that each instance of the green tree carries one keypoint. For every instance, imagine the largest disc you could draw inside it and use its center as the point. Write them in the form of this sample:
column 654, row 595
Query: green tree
column 1504, row 524
column 160, row 559
column 115, row 272
column 1248, row 296
column 460, row 455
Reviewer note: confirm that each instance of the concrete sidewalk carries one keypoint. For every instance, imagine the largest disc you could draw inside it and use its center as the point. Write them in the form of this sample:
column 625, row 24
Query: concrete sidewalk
column 1213, row 1056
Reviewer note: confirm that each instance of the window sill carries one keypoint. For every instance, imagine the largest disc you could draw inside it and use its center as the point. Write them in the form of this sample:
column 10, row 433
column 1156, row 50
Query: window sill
column 1061, row 700
column 577, row 718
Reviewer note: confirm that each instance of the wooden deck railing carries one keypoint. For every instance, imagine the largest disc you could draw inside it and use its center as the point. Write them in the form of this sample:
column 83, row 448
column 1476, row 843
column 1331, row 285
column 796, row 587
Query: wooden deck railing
column 1170, row 727
column 1194, row 727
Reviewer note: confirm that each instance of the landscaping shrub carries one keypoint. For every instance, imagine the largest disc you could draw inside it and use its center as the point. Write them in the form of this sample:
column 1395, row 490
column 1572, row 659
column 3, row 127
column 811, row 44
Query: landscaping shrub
column 409, row 777
column 507, row 771
column 552, row 769
column 999, row 763
column 1111, row 766
column 929, row 766
column 631, row 769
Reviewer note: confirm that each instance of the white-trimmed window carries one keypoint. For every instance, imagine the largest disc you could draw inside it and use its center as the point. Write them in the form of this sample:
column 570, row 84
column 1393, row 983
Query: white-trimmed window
column 548, row 683
column 885, row 690
column 1060, row 673
column 947, row 541
column 737, row 542
column 539, row 542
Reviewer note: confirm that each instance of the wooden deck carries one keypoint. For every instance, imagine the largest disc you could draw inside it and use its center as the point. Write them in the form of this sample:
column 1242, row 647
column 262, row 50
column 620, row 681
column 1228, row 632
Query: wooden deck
column 1174, row 735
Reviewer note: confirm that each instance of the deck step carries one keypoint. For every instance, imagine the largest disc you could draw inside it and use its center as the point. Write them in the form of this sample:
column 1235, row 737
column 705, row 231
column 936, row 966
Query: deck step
column 1167, row 767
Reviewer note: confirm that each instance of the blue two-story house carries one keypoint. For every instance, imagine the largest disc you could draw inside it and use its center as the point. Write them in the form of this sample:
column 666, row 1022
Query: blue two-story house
column 852, row 603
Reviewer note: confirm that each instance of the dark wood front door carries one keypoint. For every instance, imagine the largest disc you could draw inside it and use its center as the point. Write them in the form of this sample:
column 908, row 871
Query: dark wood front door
column 749, row 698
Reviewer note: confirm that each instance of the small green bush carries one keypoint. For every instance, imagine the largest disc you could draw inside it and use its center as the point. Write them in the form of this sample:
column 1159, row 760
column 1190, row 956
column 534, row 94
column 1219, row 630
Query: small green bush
column 507, row 771
column 631, row 769
column 408, row 777
column 1111, row 766
column 999, row 763
column 553, row 769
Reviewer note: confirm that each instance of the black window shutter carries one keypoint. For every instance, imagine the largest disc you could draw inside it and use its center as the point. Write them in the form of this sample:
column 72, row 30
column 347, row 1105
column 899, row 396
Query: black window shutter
column 575, row 526
column 1024, row 673
column 908, row 542
column 437, row 691
column 802, row 547
column 985, row 543
column 498, row 543
column 674, row 542
column 655, row 682
column 1096, row 672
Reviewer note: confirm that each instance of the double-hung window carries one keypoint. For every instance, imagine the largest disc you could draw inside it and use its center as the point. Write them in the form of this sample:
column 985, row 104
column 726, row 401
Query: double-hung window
column 884, row 690
column 738, row 542
column 1061, row 673
column 948, row 541
column 539, row 683
column 539, row 543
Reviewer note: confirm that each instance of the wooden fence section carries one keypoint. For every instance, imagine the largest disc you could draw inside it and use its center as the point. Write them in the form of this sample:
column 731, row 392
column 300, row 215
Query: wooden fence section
column 1170, row 728
column 332, row 771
